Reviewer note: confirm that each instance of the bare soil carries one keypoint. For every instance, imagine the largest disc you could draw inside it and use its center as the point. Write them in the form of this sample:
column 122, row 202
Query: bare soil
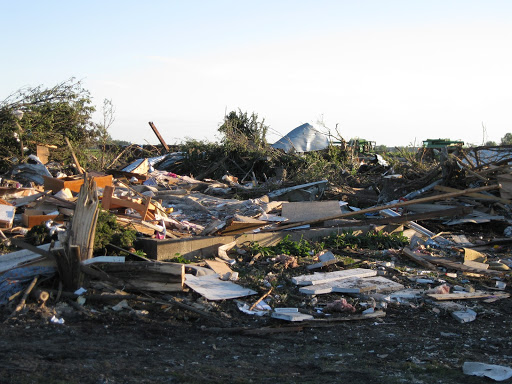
column 167, row 345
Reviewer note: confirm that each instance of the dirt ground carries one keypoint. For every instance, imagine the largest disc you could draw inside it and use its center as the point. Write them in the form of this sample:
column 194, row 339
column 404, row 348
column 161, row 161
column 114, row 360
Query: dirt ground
column 167, row 345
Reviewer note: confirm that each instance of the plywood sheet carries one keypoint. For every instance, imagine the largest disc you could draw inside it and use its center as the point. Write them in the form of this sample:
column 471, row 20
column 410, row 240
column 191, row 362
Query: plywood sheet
column 310, row 210
column 212, row 288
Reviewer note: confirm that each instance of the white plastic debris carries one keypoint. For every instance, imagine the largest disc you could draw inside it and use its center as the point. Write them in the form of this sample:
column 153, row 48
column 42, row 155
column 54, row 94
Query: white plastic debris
column 465, row 316
column 56, row 320
column 80, row 291
column 65, row 194
column 495, row 372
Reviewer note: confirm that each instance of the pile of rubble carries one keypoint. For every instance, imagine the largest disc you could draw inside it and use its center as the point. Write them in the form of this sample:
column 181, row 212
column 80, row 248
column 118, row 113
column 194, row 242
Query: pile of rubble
column 289, row 254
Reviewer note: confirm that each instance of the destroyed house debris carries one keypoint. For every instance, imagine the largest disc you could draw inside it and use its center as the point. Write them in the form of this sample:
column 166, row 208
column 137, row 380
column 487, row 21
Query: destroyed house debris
column 435, row 237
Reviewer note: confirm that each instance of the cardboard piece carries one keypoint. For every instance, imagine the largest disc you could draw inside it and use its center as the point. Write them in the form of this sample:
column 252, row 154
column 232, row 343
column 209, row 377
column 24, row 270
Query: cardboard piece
column 310, row 210
column 212, row 288
column 32, row 217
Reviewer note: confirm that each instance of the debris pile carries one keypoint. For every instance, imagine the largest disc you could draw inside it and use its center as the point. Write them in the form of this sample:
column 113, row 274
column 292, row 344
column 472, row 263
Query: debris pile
column 308, row 253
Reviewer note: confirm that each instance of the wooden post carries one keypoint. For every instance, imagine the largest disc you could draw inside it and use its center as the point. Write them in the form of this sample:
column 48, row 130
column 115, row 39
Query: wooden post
column 162, row 141
column 80, row 242
column 83, row 225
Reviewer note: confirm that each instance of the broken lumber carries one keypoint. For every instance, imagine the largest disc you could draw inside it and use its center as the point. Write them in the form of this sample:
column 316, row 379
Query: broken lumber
column 75, row 159
column 395, row 205
column 478, row 196
column 468, row 295
column 418, row 259
column 323, row 278
column 160, row 138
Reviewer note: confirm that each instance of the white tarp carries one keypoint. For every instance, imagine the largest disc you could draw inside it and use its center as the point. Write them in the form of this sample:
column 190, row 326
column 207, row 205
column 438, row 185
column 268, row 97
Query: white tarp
column 304, row 138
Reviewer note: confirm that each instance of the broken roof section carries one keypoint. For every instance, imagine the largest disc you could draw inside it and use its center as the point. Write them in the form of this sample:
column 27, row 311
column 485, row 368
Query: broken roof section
column 304, row 138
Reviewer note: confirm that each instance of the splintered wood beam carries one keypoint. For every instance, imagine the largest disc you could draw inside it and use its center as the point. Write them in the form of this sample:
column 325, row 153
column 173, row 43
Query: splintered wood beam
column 75, row 159
column 160, row 138
column 83, row 225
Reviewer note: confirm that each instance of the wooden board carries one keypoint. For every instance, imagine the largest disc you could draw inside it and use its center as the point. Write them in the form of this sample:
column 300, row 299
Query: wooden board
column 310, row 210
column 467, row 295
column 212, row 288
column 354, row 285
column 291, row 316
column 322, row 278
column 156, row 286
column 24, row 257
column 219, row 267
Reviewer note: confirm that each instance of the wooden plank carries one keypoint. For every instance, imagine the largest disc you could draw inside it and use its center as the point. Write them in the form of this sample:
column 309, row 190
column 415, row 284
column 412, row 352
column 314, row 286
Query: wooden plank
column 326, row 277
column 21, row 258
column 397, row 205
column 310, row 210
column 160, row 138
column 75, row 159
column 219, row 267
column 468, row 295
column 291, row 316
column 354, row 285
column 458, row 266
column 155, row 286
column 212, row 288
column 330, row 320
column 449, row 212
column 418, row 258
column 208, row 245
column 478, row 196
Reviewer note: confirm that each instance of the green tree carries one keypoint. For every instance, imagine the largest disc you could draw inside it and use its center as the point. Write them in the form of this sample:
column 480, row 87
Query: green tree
column 241, row 129
column 490, row 143
column 48, row 115
column 507, row 139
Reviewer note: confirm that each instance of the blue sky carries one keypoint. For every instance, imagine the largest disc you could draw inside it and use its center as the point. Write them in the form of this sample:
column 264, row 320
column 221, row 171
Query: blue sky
column 396, row 72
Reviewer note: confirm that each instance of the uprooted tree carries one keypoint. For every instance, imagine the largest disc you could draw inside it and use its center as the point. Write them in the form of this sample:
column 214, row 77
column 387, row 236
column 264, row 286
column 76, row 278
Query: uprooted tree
column 45, row 116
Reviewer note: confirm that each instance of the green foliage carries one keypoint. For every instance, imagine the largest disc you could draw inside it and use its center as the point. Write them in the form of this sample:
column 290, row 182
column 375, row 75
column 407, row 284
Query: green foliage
column 507, row 139
column 285, row 246
column 318, row 165
column 491, row 143
column 109, row 231
column 180, row 259
column 38, row 235
column 371, row 240
column 49, row 114
column 243, row 130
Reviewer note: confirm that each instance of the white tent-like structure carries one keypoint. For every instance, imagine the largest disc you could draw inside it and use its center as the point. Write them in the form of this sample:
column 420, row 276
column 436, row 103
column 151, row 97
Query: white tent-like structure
column 304, row 138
